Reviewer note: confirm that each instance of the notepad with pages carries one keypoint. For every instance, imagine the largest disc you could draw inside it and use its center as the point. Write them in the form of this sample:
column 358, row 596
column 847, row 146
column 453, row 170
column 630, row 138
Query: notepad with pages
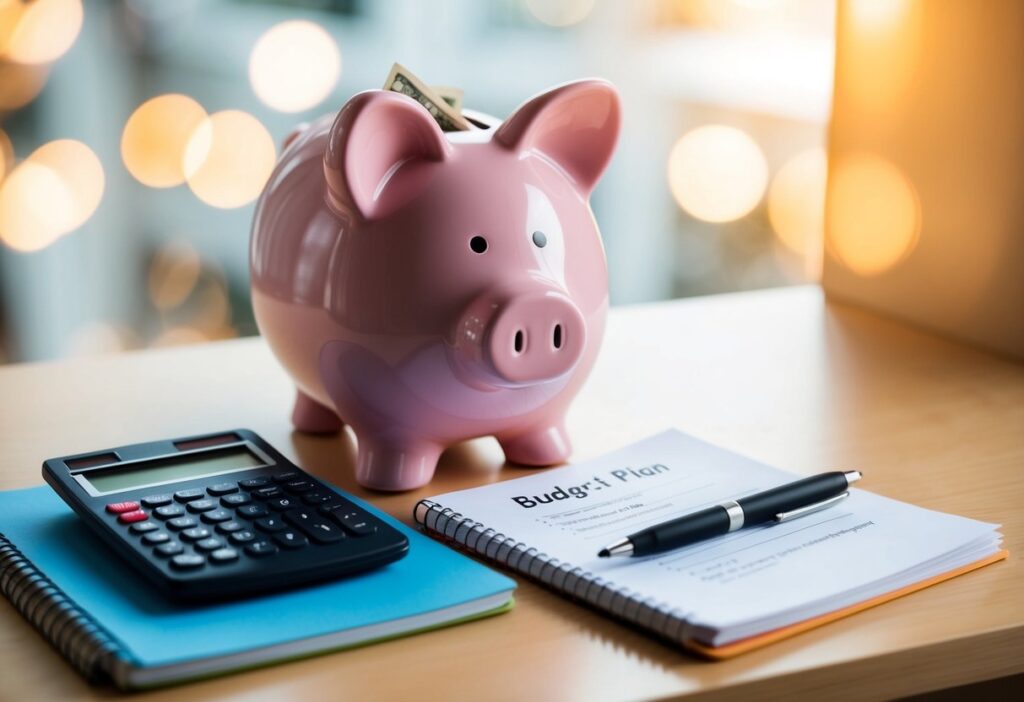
column 111, row 625
column 723, row 596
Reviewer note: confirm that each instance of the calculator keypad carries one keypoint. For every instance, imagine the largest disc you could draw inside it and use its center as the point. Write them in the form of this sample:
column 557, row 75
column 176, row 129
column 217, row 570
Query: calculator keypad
column 222, row 523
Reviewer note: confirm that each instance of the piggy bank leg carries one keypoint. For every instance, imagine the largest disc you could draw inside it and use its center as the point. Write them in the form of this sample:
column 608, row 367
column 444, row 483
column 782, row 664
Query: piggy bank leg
column 312, row 417
column 542, row 446
column 395, row 464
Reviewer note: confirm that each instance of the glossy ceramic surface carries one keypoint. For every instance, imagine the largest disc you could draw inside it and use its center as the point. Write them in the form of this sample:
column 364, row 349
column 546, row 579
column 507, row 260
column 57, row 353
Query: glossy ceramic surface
column 399, row 277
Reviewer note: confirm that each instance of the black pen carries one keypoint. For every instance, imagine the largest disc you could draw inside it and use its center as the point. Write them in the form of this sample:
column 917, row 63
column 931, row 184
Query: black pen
column 779, row 504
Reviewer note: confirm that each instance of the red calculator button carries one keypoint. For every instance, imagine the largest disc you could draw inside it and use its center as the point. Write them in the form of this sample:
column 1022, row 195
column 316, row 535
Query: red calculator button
column 122, row 507
column 129, row 517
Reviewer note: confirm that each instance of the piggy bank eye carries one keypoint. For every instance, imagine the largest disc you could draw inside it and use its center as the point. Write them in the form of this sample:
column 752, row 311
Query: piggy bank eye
column 478, row 244
column 539, row 239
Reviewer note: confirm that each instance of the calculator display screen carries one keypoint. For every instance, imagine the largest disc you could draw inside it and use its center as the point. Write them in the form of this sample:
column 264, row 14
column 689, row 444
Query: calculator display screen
column 173, row 468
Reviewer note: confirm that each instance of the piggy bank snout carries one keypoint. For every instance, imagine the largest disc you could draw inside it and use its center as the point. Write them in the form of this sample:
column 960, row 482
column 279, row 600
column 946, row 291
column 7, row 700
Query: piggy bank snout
column 534, row 337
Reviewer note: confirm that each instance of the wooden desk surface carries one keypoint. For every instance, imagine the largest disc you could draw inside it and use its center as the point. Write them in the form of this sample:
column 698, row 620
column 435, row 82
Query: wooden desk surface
column 779, row 375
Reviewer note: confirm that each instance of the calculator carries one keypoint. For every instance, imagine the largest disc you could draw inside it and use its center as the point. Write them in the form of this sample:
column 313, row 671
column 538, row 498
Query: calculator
column 220, row 516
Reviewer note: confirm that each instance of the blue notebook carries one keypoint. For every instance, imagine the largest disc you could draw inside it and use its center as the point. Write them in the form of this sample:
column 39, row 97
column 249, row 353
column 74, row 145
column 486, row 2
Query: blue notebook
column 106, row 621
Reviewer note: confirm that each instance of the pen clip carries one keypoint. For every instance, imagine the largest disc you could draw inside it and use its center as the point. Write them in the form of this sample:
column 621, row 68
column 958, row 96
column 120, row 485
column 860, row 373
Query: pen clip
column 810, row 509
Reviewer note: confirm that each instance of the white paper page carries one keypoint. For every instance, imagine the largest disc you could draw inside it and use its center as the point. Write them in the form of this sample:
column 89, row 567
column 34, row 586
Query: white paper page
column 571, row 513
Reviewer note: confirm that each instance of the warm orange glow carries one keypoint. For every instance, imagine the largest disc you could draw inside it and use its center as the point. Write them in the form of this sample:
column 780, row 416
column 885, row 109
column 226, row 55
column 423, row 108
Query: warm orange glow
column 155, row 136
column 54, row 191
column 717, row 173
column 873, row 217
column 39, row 32
column 173, row 274
column 19, row 84
column 560, row 13
column 294, row 66
column 796, row 206
column 879, row 14
column 882, row 45
column 228, row 159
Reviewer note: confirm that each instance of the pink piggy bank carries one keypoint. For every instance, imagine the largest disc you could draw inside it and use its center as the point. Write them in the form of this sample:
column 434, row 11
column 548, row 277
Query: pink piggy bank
column 428, row 287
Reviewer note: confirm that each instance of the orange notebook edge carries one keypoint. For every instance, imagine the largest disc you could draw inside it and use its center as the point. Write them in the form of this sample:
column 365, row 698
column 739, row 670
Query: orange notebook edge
column 754, row 642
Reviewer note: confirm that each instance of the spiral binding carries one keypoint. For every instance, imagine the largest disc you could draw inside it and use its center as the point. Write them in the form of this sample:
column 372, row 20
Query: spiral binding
column 579, row 584
column 79, row 639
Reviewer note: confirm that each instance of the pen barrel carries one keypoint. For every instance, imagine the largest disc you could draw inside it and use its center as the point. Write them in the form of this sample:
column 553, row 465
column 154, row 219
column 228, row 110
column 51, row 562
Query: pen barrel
column 763, row 506
column 695, row 527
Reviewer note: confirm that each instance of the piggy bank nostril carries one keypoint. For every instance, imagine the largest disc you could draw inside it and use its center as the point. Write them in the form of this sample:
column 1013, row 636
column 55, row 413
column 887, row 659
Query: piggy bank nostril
column 517, row 344
column 558, row 336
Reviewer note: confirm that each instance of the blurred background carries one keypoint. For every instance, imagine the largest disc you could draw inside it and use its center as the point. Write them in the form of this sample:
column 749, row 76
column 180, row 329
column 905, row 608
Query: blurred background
column 136, row 135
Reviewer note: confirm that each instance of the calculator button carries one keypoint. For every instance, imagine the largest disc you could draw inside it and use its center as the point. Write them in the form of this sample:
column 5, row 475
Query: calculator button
column 195, row 534
column 169, row 511
column 132, row 517
column 179, row 523
column 209, row 544
column 316, row 498
column 122, row 507
column 286, row 477
column 222, row 489
column 156, row 537
column 280, row 504
column 143, row 527
column 224, row 555
column 201, row 506
column 268, row 492
column 291, row 539
column 253, row 483
column 170, row 548
column 216, row 516
column 354, row 521
column 235, row 500
column 187, row 561
column 188, row 495
column 315, row 526
column 253, row 511
column 271, row 524
column 261, row 548
column 242, row 537
column 229, row 527
column 299, row 485
column 156, row 500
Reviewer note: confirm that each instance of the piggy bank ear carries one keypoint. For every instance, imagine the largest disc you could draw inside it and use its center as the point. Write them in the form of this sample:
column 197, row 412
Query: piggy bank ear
column 575, row 125
column 382, row 151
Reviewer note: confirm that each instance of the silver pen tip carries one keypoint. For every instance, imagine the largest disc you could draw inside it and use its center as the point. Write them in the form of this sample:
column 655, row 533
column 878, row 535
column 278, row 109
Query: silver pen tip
column 622, row 547
column 853, row 476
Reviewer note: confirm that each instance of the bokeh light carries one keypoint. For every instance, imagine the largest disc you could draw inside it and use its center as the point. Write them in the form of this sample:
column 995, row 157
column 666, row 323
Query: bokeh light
column 874, row 215
column 54, row 191
column 560, row 13
column 717, row 173
column 796, row 206
column 173, row 274
column 97, row 338
column 155, row 136
column 294, row 66
column 39, row 32
column 6, row 154
column 19, row 84
column 35, row 205
column 179, row 336
column 229, row 158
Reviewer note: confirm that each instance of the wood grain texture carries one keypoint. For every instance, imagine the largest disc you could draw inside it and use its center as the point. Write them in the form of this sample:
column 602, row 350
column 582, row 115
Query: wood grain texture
column 780, row 375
